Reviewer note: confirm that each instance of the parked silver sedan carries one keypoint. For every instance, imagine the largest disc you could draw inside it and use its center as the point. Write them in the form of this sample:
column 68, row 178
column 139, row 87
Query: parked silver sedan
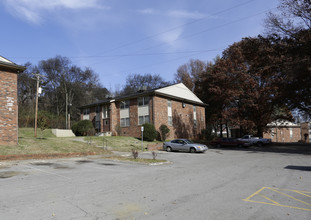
column 184, row 145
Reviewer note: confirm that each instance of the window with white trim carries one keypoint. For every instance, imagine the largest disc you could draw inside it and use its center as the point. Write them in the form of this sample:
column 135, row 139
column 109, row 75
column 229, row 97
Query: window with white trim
column 142, row 101
column 97, row 109
column 125, row 122
column 125, row 113
column 143, row 119
column 194, row 116
column 86, row 111
column 143, row 110
column 272, row 133
column 290, row 133
column 125, row 104
column 169, row 112
column 105, row 111
column 97, row 125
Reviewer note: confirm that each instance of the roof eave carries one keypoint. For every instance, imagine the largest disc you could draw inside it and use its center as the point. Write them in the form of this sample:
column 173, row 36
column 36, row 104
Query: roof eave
column 12, row 66
column 180, row 99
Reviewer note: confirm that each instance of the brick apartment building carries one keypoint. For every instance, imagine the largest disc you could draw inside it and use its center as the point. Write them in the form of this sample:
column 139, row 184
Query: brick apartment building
column 8, row 101
column 285, row 131
column 175, row 106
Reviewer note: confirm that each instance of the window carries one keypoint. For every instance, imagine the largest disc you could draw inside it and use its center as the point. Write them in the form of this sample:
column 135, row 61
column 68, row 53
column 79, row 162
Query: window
column 194, row 116
column 169, row 120
column 169, row 103
column 143, row 101
column 86, row 111
column 143, row 110
column 97, row 125
column 105, row 111
column 143, row 119
column 124, row 104
column 169, row 112
column 97, row 109
column 125, row 113
column 125, row 122
column 272, row 133
column 290, row 133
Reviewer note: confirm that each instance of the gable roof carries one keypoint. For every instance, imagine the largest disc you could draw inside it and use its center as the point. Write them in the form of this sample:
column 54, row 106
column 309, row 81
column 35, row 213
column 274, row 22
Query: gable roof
column 179, row 91
column 176, row 91
column 8, row 64
column 282, row 123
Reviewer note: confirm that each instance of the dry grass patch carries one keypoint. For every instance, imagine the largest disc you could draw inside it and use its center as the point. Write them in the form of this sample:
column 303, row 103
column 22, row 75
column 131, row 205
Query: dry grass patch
column 121, row 143
column 137, row 160
column 49, row 144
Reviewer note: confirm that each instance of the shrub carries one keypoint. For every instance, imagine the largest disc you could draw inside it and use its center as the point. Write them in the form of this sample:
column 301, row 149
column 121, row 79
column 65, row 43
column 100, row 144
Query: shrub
column 43, row 122
column 164, row 130
column 82, row 128
column 154, row 155
column 150, row 132
column 207, row 133
column 135, row 153
column 118, row 130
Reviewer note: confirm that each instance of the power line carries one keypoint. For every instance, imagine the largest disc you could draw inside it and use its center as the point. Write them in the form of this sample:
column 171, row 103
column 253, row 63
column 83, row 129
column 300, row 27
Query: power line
column 177, row 27
column 159, row 33
column 203, row 31
column 136, row 54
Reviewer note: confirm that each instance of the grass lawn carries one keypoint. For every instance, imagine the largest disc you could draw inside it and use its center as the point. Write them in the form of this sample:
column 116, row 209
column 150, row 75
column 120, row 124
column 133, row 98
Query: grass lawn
column 120, row 143
column 48, row 144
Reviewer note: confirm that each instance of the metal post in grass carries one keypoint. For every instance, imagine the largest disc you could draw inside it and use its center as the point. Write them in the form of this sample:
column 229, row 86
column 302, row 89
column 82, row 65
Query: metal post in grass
column 142, row 138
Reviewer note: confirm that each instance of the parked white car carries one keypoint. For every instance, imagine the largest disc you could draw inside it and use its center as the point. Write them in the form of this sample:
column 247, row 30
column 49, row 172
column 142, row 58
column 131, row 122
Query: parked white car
column 184, row 145
column 255, row 140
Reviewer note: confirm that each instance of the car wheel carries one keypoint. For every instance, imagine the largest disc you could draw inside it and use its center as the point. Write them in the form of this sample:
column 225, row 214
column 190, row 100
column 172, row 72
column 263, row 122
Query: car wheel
column 168, row 149
column 218, row 145
column 259, row 144
column 240, row 145
column 192, row 150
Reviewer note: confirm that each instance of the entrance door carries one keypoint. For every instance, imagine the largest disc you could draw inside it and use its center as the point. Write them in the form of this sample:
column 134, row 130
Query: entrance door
column 106, row 125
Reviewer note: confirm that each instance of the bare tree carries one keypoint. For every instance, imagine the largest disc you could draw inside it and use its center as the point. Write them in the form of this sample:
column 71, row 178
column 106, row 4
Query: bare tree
column 135, row 82
column 293, row 16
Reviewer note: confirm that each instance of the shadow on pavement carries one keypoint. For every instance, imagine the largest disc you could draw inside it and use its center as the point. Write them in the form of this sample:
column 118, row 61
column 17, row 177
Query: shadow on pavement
column 275, row 148
column 302, row 168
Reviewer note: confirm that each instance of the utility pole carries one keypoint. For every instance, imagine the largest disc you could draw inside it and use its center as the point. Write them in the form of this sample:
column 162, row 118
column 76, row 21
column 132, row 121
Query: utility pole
column 142, row 138
column 66, row 110
column 37, row 75
column 69, row 125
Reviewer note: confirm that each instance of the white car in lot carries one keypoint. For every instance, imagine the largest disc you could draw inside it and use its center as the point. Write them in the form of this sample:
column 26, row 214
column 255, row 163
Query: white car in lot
column 255, row 140
column 184, row 145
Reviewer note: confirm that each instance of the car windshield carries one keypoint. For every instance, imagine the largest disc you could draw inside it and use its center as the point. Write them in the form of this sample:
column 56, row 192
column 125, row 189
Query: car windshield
column 188, row 141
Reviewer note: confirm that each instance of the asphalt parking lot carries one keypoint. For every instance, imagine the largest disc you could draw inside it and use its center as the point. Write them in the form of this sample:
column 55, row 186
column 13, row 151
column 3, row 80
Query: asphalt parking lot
column 255, row 183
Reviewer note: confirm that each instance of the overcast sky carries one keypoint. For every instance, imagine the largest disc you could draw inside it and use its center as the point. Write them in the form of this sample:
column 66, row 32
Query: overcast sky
column 119, row 37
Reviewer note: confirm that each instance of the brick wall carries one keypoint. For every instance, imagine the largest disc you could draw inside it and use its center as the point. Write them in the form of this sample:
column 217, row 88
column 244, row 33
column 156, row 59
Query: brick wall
column 282, row 134
column 183, row 118
column 160, row 114
column 8, row 108
column 114, row 117
column 305, row 130
column 134, row 129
